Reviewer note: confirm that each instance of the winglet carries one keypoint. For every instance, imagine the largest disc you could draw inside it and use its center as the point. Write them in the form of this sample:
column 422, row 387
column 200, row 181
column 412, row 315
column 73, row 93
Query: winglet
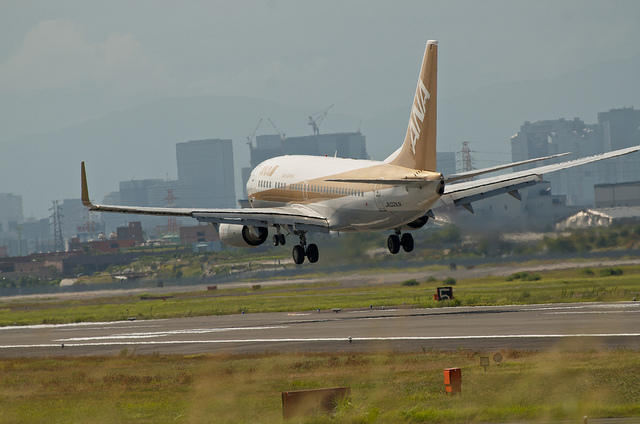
column 85, row 188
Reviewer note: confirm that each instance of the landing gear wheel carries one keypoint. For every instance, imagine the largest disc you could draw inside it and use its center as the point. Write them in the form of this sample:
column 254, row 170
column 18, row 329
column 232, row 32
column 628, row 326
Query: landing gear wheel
column 407, row 242
column 276, row 240
column 283, row 240
column 393, row 243
column 298, row 254
column 312, row 253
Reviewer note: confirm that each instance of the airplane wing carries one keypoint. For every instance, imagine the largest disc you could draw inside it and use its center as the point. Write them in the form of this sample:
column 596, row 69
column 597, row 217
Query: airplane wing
column 297, row 216
column 476, row 172
column 464, row 193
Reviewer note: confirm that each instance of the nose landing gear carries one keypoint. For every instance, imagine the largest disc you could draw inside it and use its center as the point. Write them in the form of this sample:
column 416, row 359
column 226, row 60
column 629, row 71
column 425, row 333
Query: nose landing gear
column 395, row 241
column 279, row 238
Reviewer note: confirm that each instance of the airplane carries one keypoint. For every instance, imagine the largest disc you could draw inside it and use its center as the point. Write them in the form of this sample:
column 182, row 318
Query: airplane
column 297, row 195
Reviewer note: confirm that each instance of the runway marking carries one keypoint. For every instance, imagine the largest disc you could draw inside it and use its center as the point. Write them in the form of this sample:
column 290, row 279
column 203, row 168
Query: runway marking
column 325, row 339
column 592, row 312
column 73, row 326
column 551, row 307
column 168, row 333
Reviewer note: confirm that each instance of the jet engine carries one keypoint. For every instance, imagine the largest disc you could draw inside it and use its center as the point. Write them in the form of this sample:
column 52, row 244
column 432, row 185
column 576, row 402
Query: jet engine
column 416, row 224
column 242, row 235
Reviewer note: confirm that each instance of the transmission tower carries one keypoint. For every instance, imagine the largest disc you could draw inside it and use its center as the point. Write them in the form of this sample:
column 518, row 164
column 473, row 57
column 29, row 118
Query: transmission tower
column 466, row 160
column 57, row 229
column 172, row 225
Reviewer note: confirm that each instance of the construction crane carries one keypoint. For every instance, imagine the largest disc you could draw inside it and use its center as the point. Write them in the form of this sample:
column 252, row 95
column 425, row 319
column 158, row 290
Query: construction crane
column 316, row 120
column 250, row 136
column 280, row 133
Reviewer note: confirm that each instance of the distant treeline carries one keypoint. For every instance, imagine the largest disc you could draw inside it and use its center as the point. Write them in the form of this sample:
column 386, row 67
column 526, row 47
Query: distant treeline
column 27, row 282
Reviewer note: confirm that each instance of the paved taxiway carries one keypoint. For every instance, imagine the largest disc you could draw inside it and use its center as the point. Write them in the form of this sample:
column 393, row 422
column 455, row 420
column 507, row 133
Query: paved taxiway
column 577, row 325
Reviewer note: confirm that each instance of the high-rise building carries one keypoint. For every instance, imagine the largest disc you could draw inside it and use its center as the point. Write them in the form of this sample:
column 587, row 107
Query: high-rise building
column 10, row 210
column 616, row 129
column 545, row 138
column 205, row 169
column 446, row 163
column 342, row 145
column 620, row 129
column 136, row 192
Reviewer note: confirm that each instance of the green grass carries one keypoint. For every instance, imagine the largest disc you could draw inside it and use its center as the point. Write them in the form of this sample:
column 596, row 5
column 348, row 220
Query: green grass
column 574, row 285
column 385, row 387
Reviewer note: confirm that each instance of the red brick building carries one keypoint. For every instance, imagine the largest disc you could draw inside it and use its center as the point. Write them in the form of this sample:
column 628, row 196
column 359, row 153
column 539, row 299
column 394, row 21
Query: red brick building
column 198, row 234
column 132, row 231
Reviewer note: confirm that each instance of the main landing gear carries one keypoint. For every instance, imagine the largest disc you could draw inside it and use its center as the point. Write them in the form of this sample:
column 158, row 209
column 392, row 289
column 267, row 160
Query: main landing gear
column 395, row 241
column 301, row 250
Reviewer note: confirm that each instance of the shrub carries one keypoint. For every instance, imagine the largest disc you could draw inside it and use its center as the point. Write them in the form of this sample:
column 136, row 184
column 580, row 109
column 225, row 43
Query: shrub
column 608, row 272
column 524, row 276
column 588, row 272
column 411, row 282
column 449, row 281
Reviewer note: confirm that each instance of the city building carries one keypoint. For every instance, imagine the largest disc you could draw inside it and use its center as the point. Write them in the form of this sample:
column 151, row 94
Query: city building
column 205, row 169
column 616, row 129
column 133, row 231
column 446, row 162
column 620, row 194
column 10, row 210
column 75, row 220
column 128, row 236
column 539, row 210
column 620, row 129
column 136, row 192
column 204, row 233
column 546, row 138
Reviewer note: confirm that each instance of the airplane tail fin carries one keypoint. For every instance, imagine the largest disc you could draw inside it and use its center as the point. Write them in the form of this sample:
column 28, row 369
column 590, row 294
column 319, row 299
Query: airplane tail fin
column 419, row 148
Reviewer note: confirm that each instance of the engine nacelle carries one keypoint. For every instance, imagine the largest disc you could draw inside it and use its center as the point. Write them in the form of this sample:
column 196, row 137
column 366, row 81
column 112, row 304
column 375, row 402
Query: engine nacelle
column 416, row 224
column 242, row 235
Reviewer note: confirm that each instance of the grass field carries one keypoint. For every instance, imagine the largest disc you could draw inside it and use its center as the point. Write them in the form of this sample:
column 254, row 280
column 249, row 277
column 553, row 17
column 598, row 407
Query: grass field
column 574, row 285
column 385, row 387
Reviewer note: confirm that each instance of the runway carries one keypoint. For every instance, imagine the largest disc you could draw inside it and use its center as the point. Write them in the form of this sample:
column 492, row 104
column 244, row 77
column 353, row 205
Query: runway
column 537, row 327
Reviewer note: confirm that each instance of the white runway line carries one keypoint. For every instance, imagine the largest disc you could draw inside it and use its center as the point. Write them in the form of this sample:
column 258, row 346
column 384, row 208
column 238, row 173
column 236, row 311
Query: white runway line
column 168, row 333
column 324, row 339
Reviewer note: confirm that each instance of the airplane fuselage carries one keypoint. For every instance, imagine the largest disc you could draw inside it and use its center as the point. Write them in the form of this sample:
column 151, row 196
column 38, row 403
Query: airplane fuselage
column 348, row 206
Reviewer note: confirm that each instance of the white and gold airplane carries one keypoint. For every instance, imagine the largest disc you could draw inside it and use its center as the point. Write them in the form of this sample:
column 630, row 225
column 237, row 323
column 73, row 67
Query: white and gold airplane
column 297, row 195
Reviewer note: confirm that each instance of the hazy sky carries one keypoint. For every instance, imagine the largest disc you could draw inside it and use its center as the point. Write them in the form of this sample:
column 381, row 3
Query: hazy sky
column 63, row 62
